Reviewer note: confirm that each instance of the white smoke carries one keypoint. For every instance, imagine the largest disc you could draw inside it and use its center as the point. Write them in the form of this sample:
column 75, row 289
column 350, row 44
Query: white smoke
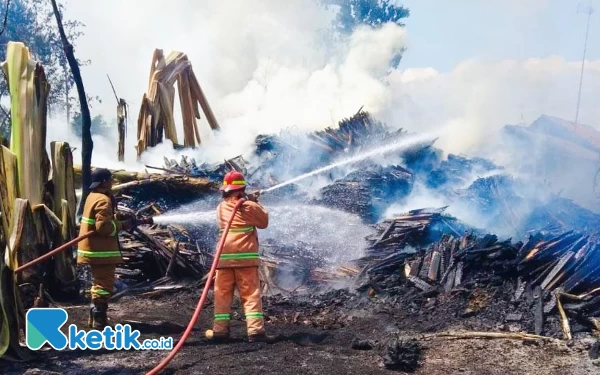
column 266, row 66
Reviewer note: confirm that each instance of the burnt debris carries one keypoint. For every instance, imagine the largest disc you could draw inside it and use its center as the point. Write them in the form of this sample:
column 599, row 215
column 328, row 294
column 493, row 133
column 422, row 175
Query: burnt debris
column 366, row 192
column 540, row 273
column 533, row 275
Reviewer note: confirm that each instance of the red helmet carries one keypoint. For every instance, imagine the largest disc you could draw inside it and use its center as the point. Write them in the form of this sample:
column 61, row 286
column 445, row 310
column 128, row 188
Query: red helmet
column 233, row 180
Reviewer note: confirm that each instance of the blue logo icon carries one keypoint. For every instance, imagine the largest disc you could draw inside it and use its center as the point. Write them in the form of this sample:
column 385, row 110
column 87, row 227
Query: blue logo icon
column 43, row 326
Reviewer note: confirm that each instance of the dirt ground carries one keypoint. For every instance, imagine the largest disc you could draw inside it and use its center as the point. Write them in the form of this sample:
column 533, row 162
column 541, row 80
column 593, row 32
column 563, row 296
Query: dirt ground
column 317, row 340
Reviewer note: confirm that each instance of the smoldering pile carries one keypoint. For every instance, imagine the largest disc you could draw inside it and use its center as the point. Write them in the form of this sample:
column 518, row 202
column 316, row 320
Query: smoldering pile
column 539, row 284
column 422, row 253
column 362, row 189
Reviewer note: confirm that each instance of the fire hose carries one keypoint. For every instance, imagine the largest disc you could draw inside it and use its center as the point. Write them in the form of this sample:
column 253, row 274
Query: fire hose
column 67, row 246
column 55, row 251
column 196, row 315
column 198, row 310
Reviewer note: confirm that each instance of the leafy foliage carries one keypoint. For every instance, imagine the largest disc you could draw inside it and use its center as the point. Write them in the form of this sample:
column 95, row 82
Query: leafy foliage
column 374, row 13
column 99, row 126
column 32, row 22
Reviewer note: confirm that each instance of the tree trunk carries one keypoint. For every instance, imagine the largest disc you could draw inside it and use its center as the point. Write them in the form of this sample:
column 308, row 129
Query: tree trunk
column 67, row 99
column 86, row 124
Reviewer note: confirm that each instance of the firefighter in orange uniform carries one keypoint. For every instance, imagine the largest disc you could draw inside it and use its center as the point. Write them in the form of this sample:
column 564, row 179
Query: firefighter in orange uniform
column 239, row 261
column 101, row 250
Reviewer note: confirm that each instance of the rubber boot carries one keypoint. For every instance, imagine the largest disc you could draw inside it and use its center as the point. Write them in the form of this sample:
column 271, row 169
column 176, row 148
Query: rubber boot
column 99, row 314
column 216, row 337
column 91, row 318
column 263, row 337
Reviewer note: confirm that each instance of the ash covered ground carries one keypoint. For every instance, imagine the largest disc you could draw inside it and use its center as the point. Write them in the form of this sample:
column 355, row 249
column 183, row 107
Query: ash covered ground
column 375, row 283
column 335, row 333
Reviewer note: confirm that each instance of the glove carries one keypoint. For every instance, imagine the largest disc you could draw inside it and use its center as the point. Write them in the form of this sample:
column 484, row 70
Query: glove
column 128, row 224
column 121, row 216
column 254, row 196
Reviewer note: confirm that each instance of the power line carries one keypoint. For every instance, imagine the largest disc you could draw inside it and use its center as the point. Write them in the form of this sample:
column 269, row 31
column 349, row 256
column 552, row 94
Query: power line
column 588, row 10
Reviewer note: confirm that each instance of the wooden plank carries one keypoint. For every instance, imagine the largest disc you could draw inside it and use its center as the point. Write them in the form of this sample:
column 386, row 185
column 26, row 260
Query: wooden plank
column 450, row 280
column 423, row 285
column 385, row 233
column 459, row 274
column 434, row 267
column 538, row 310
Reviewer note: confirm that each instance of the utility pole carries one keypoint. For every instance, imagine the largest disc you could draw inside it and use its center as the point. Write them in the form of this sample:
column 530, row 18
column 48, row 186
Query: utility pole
column 587, row 10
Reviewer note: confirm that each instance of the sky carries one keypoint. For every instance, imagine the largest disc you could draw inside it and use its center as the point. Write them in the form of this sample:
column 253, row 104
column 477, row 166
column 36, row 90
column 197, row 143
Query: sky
column 498, row 30
column 469, row 68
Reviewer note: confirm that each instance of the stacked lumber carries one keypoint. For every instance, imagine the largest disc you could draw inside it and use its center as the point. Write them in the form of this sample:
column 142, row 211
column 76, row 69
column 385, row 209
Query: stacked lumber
column 445, row 263
column 562, row 266
column 289, row 154
column 156, row 112
column 457, row 170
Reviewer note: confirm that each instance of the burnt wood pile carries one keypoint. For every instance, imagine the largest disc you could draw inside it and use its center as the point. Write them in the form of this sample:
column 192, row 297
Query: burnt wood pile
column 357, row 131
column 213, row 172
column 454, row 171
column 153, row 252
column 398, row 237
column 366, row 192
column 546, row 274
column 447, row 264
column 288, row 154
column 298, row 266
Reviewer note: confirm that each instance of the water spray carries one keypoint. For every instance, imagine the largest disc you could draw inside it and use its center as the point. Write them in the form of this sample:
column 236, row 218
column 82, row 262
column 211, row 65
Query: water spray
column 395, row 146
column 208, row 216
column 404, row 143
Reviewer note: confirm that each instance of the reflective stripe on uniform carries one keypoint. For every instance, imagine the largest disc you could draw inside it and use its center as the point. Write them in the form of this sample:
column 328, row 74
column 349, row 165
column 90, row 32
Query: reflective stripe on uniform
column 240, row 256
column 100, row 291
column 255, row 315
column 98, row 254
column 114, row 232
column 222, row 316
column 87, row 220
column 239, row 230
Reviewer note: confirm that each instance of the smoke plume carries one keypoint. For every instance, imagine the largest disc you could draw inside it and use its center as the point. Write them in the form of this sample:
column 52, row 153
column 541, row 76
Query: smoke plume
column 266, row 66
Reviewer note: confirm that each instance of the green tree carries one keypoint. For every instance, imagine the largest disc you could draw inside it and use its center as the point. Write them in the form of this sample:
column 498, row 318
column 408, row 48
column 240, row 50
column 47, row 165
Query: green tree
column 373, row 13
column 32, row 22
column 99, row 126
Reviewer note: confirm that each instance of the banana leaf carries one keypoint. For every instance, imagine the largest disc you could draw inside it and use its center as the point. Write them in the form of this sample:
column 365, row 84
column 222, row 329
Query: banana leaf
column 12, row 313
column 8, row 187
column 28, row 88
column 63, row 178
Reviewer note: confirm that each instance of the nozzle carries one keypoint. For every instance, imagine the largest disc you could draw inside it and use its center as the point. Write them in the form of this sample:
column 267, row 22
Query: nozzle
column 146, row 221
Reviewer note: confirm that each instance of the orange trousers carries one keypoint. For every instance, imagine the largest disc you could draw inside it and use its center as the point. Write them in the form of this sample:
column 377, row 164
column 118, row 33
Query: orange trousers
column 247, row 282
column 103, row 282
